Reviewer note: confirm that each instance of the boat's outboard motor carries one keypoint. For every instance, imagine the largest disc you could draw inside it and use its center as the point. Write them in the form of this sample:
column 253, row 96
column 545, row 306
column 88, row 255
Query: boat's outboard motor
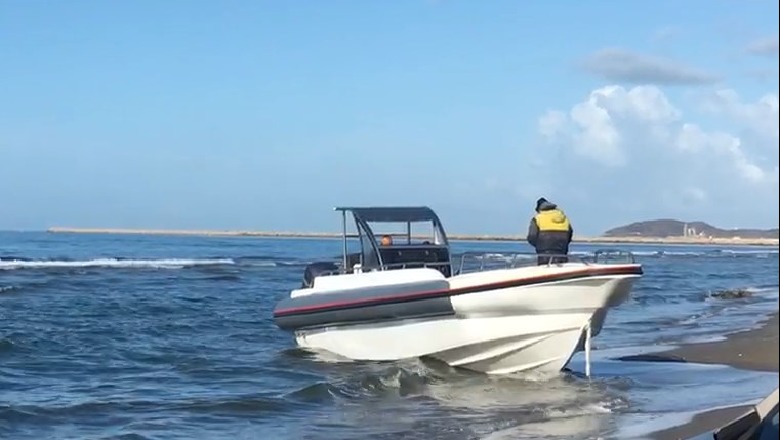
column 315, row 269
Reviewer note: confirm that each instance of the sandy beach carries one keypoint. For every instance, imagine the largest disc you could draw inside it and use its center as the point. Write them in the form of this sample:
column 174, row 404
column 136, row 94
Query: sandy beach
column 751, row 349
column 755, row 349
column 460, row 237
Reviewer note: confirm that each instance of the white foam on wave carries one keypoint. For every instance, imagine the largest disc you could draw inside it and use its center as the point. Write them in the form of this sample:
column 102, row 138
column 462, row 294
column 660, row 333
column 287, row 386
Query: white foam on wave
column 707, row 253
column 754, row 310
column 639, row 425
column 666, row 394
column 579, row 421
column 688, row 320
column 163, row 263
column 265, row 264
column 668, row 253
column 750, row 251
column 710, row 253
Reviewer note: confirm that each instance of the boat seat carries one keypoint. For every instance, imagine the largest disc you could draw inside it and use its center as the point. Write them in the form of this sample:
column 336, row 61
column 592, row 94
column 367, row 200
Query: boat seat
column 400, row 256
column 352, row 260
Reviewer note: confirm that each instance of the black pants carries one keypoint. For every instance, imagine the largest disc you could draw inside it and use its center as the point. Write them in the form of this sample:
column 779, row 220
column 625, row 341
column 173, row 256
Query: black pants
column 543, row 260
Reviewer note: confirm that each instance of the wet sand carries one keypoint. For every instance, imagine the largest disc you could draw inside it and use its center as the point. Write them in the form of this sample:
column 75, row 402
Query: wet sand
column 752, row 350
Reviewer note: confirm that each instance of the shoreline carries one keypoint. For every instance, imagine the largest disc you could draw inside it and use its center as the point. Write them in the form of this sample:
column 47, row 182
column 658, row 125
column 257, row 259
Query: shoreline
column 753, row 349
column 766, row 242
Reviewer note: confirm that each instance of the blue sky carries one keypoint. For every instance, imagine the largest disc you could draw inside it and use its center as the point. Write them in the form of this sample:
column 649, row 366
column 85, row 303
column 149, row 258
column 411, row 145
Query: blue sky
column 264, row 115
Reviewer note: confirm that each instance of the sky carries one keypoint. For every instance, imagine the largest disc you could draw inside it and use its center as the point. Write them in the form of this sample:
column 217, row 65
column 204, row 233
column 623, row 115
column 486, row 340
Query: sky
column 264, row 115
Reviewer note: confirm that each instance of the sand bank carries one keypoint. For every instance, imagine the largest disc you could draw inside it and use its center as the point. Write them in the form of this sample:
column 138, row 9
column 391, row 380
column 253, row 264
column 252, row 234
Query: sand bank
column 755, row 349
column 459, row 237
column 751, row 349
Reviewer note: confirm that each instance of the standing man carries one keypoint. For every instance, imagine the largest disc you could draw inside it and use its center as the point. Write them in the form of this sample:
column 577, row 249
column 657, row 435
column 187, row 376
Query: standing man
column 550, row 233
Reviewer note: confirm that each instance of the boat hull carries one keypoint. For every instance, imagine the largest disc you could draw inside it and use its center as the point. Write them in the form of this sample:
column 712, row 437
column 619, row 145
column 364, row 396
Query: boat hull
column 523, row 327
column 496, row 345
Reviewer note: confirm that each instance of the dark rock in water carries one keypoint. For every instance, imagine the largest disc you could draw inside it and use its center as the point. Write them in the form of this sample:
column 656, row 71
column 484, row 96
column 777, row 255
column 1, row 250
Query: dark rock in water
column 731, row 293
column 652, row 358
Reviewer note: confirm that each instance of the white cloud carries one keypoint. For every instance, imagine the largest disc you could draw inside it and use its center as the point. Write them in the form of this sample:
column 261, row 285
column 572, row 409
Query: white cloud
column 695, row 194
column 767, row 46
column 665, row 33
column 636, row 154
column 616, row 64
column 551, row 123
column 596, row 136
column 760, row 116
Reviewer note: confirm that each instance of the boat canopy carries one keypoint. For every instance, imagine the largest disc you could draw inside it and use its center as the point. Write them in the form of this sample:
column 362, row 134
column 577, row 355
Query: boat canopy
column 401, row 253
column 392, row 214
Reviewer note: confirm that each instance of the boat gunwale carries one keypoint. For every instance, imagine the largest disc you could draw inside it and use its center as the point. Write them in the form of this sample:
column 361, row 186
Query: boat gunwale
column 632, row 269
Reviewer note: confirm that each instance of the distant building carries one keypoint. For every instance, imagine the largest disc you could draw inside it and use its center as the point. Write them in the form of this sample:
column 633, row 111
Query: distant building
column 689, row 231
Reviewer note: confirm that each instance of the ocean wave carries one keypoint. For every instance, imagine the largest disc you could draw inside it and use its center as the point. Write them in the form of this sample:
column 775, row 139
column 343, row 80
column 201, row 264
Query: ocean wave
column 759, row 253
column 268, row 261
column 358, row 379
column 710, row 253
column 753, row 293
column 396, row 381
column 251, row 403
column 20, row 262
column 162, row 263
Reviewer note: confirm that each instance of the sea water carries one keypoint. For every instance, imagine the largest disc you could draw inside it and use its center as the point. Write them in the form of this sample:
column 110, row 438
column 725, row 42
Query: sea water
column 171, row 337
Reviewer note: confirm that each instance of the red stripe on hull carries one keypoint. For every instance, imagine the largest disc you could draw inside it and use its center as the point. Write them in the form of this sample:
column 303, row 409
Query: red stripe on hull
column 633, row 269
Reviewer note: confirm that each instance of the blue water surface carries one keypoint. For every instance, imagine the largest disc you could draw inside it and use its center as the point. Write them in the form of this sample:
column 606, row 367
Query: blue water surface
column 171, row 337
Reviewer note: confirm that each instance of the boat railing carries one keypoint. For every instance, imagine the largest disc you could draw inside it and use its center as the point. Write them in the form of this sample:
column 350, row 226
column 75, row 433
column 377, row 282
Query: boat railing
column 482, row 261
column 394, row 266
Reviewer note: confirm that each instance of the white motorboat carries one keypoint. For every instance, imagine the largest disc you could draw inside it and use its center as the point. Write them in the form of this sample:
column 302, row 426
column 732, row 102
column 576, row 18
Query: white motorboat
column 407, row 299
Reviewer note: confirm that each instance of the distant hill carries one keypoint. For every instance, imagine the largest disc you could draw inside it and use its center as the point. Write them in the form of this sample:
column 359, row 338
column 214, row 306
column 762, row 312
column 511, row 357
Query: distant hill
column 675, row 228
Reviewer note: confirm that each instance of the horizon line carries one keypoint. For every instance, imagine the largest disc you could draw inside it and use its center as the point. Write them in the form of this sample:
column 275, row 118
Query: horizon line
column 455, row 236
